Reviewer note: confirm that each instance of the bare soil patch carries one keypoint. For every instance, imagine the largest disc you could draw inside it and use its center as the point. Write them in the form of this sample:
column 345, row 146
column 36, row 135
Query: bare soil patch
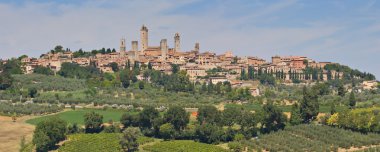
column 11, row 133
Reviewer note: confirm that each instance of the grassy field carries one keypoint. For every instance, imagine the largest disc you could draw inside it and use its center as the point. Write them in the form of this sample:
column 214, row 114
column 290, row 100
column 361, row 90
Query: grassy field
column 77, row 116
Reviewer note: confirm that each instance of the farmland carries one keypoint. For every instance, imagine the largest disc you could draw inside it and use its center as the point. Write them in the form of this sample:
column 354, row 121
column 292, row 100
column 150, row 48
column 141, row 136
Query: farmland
column 183, row 146
column 76, row 116
column 313, row 138
column 91, row 142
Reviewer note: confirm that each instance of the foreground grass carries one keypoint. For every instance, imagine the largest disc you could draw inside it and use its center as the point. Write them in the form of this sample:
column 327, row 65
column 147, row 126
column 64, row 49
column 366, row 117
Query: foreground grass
column 183, row 146
column 77, row 116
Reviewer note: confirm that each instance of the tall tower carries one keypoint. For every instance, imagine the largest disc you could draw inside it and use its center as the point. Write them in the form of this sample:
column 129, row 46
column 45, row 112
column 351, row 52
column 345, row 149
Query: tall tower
column 196, row 47
column 135, row 46
column 135, row 50
column 144, row 38
column 164, row 48
column 176, row 42
column 122, row 47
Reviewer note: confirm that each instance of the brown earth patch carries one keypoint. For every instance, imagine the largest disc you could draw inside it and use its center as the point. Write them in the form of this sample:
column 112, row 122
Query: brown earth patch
column 11, row 133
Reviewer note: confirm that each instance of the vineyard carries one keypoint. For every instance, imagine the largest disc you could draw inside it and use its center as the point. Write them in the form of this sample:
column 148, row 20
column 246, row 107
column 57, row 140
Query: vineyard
column 183, row 146
column 91, row 143
column 312, row 138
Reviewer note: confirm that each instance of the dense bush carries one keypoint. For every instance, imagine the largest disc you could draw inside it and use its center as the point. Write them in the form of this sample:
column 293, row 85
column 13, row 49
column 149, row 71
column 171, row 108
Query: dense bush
column 364, row 119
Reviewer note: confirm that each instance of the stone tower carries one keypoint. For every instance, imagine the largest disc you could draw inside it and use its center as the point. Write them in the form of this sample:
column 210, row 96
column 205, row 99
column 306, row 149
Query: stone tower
column 177, row 47
column 135, row 46
column 122, row 47
column 196, row 47
column 135, row 50
column 164, row 48
column 144, row 38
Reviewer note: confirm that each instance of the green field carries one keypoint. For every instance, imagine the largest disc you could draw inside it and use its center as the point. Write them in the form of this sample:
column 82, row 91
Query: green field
column 77, row 116
column 183, row 146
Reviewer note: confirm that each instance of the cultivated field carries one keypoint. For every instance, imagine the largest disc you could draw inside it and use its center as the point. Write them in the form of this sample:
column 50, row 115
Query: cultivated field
column 77, row 116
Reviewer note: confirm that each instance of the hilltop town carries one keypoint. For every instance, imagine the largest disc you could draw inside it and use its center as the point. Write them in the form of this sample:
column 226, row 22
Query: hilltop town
column 194, row 62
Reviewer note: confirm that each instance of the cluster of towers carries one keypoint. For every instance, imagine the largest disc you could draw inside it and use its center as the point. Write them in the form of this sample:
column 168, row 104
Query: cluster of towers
column 145, row 45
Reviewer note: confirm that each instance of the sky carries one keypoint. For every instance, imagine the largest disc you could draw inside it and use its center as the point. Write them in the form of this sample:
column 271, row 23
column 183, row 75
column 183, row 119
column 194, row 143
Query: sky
column 343, row 31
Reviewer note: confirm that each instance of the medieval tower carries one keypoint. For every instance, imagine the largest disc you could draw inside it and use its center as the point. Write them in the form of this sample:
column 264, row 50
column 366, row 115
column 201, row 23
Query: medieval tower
column 177, row 42
column 164, row 48
column 196, row 47
column 144, row 38
column 122, row 47
column 135, row 46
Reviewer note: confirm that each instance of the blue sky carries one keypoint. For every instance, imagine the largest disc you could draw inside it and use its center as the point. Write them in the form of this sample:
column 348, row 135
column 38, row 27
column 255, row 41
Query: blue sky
column 344, row 31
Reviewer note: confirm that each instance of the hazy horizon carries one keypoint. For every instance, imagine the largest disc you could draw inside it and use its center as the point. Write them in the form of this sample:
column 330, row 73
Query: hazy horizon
column 347, row 32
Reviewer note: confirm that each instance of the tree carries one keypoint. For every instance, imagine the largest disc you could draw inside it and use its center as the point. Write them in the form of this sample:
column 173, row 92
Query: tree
column 175, row 68
column 167, row 131
column 114, row 66
column 129, row 120
column 273, row 118
column 352, row 100
column 147, row 116
column 72, row 129
column 295, row 117
column 209, row 133
column 309, row 107
column 5, row 80
column 48, row 133
column 125, row 78
column 141, row 85
column 32, row 92
column 178, row 117
column 248, row 122
column 208, row 114
column 129, row 139
column 230, row 116
column 43, row 70
column 332, row 108
column 150, row 67
column 93, row 122
column 341, row 91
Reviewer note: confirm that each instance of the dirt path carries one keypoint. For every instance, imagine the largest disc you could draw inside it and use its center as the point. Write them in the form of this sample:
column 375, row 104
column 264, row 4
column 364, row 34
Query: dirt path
column 12, row 132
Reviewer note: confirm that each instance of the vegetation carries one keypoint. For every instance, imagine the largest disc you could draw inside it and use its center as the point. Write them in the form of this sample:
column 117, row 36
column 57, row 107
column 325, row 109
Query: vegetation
column 48, row 133
column 363, row 120
column 92, row 143
column 311, row 138
column 8, row 109
column 184, row 146
column 77, row 116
